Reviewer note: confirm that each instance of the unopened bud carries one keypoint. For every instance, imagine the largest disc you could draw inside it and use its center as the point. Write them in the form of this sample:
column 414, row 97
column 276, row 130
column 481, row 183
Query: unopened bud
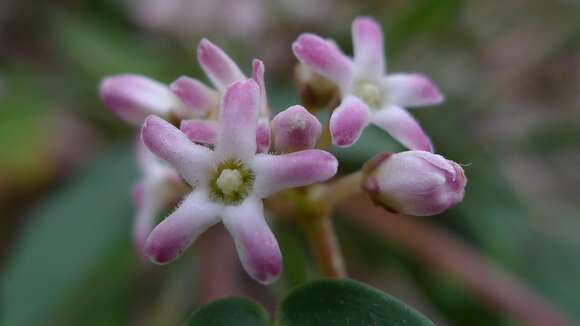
column 295, row 129
column 414, row 182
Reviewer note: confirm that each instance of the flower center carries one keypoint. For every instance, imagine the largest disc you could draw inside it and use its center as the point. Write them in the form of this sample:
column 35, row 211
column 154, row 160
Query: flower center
column 369, row 93
column 231, row 182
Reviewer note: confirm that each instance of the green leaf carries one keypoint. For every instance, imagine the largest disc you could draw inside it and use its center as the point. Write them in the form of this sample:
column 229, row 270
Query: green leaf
column 345, row 302
column 67, row 239
column 231, row 311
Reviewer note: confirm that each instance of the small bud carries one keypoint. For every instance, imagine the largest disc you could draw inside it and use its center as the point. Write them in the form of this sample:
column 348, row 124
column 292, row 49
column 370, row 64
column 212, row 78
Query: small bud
column 315, row 90
column 295, row 129
column 134, row 97
column 414, row 182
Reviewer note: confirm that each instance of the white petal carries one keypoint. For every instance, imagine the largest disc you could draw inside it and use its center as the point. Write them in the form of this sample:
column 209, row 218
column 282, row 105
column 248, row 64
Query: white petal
column 367, row 38
column 192, row 162
column 278, row 172
column 403, row 127
column 256, row 245
column 172, row 236
column 218, row 66
column 236, row 137
column 408, row 90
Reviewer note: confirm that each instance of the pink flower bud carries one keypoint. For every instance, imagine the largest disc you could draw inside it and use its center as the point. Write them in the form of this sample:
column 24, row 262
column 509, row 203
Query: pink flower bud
column 134, row 97
column 295, row 129
column 414, row 182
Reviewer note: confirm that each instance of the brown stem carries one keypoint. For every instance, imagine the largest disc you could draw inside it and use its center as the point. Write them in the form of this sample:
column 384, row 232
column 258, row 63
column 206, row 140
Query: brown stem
column 441, row 250
column 324, row 244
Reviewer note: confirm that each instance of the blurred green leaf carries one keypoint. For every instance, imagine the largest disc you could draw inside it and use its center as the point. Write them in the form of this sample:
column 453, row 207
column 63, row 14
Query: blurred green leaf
column 552, row 266
column 101, row 48
column 67, row 238
column 426, row 16
column 231, row 311
column 26, row 128
column 552, row 137
column 345, row 302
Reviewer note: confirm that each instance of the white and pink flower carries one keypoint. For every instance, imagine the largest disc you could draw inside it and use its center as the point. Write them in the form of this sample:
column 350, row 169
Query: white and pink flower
column 229, row 183
column 414, row 182
column 368, row 94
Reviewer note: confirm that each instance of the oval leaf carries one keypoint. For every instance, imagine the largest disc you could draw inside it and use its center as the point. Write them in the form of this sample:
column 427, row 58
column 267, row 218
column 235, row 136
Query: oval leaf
column 231, row 311
column 345, row 302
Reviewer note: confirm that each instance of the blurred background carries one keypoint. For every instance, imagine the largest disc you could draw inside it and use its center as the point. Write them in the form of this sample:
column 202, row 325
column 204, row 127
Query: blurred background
column 511, row 74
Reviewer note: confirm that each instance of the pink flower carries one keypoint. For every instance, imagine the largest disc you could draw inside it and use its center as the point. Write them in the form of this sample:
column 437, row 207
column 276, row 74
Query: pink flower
column 368, row 95
column 229, row 183
column 415, row 182
column 222, row 71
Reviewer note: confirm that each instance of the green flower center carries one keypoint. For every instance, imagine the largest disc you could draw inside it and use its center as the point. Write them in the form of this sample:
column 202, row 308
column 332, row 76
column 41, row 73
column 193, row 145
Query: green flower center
column 369, row 93
column 231, row 182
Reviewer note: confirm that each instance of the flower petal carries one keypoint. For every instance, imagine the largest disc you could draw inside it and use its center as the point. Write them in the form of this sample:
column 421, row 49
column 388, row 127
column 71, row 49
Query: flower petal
column 191, row 161
column 172, row 236
column 134, row 97
column 367, row 38
column 401, row 125
column 217, row 65
column 348, row 121
column 263, row 136
column 324, row 58
column 200, row 131
column 236, row 136
column 256, row 245
column 258, row 76
column 198, row 97
column 148, row 205
column 295, row 129
column 409, row 90
column 278, row 172
column 147, row 161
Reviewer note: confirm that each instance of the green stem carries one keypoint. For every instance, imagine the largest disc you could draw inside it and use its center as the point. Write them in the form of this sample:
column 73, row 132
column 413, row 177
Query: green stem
column 324, row 245
column 318, row 225
column 331, row 194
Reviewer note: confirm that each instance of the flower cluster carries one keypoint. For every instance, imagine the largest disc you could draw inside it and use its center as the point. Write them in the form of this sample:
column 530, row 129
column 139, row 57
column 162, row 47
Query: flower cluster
column 218, row 152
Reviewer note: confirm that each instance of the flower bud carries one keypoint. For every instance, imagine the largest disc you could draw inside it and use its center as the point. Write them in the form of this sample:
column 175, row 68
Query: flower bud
column 414, row 182
column 134, row 97
column 315, row 90
column 295, row 129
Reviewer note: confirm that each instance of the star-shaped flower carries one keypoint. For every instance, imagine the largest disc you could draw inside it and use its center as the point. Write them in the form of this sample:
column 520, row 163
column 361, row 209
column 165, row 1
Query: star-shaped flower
column 368, row 94
column 229, row 183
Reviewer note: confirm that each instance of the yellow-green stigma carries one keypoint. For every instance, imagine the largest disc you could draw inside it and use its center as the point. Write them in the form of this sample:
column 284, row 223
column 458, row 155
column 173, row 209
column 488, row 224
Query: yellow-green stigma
column 369, row 93
column 231, row 182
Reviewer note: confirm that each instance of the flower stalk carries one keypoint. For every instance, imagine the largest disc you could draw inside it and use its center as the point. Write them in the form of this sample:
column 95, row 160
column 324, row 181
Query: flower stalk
column 321, row 236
